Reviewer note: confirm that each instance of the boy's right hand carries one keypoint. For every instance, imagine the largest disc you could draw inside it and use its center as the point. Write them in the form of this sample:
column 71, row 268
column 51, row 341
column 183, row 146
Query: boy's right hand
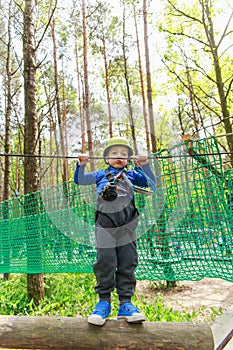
column 83, row 159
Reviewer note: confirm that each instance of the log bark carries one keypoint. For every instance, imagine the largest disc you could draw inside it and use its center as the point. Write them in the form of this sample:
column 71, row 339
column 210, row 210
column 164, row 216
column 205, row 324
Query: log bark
column 52, row 332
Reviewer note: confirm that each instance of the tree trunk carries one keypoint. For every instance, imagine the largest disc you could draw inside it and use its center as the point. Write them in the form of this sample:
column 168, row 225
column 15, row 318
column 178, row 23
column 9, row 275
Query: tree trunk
column 64, row 122
column 82, row 124
column 35, row 281
column 1, row 182
column 127, row 87
column 58, row 105
column 7, row 167
column 148, row 78
column 75, row 333
column 51, row 130
column 86, row 84
column 142, row 84
column 17, row 166
column 50, row 181
column 180, row 117
column 107, row 88
column 6, row 192
column 194, row 115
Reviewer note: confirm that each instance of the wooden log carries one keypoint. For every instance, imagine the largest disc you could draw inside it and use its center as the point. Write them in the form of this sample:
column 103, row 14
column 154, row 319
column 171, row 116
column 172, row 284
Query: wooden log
column 223, row 331
column 50, row 332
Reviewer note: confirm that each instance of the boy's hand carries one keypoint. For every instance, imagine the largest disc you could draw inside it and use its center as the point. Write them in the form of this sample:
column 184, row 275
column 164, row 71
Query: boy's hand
column 83, row 159
column 140, row 160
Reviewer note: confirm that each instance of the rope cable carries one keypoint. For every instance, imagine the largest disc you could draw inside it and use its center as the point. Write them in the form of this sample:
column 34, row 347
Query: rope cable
column 99, row 157
column 157, row 156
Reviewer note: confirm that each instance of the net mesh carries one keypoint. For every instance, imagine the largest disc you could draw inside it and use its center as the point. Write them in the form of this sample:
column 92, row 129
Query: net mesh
column 184, row 231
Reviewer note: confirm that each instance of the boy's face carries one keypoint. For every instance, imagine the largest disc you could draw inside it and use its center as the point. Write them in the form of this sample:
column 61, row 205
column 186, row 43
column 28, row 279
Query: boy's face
column 118, row 157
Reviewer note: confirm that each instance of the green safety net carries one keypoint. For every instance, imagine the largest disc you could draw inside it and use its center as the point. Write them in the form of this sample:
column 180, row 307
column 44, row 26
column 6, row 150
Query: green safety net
column 184, row 231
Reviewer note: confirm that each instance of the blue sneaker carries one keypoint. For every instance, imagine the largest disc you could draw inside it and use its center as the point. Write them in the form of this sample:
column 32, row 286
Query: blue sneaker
column 131, row 313
column 101, row 312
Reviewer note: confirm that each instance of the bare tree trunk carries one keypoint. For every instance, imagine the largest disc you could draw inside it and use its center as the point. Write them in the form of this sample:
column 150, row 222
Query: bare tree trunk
column 107, row 88
column 6, row 191
column 86, row 84
column 194, row 115
column 52, row 132
column 80, row 100
column 180, row 119
column 58, row 105
column 55, row 133
column 1, row 194
column 148, row 78
column 51, row 128
column 1, row 182
column 17, row 184
column 6, row 181
column 64, row 122
column 35, row 284
column 142, row 83
column 127, row 87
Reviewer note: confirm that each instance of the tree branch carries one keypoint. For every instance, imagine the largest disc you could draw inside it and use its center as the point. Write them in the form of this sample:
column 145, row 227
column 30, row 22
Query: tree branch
column 186, row 35
column 183, row 13
column 187, row 87
column 47, row 25
column 225, row 30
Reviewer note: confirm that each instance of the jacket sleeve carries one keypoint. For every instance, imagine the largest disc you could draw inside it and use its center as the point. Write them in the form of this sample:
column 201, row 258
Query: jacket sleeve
column 145, row 178
column 81, row 178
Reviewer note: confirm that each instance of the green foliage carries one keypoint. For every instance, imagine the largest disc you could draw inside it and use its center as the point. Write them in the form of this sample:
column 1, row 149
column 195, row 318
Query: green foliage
column 190, row 60
column 66, row 294
column 73, row 294
column 13, row 298
column 158, row 311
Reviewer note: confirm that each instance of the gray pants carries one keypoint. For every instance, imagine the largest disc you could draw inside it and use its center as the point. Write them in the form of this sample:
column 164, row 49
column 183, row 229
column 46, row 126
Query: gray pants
column 115, row 268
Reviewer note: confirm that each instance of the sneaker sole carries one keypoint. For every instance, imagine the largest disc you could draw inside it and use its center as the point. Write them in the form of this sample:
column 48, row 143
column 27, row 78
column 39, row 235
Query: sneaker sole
column 96, row 320
column 136, row 318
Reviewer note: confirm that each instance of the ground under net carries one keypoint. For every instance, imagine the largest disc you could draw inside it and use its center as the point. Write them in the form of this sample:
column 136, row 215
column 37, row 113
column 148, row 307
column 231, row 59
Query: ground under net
column 184, row 231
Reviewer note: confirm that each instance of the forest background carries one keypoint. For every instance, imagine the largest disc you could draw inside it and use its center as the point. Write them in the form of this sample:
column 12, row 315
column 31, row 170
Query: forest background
column 74, row 73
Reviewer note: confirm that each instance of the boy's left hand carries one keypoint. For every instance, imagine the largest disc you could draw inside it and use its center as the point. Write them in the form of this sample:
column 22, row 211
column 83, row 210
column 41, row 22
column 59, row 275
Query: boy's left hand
column 140, row 160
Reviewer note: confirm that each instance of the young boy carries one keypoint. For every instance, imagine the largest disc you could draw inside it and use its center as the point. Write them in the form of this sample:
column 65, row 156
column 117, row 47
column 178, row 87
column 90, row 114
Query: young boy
column 116, row 222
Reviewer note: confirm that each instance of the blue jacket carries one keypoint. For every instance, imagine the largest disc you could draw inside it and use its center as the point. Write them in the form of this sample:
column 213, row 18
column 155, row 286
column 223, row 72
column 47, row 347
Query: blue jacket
column 99, row 178
column 122, row 211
